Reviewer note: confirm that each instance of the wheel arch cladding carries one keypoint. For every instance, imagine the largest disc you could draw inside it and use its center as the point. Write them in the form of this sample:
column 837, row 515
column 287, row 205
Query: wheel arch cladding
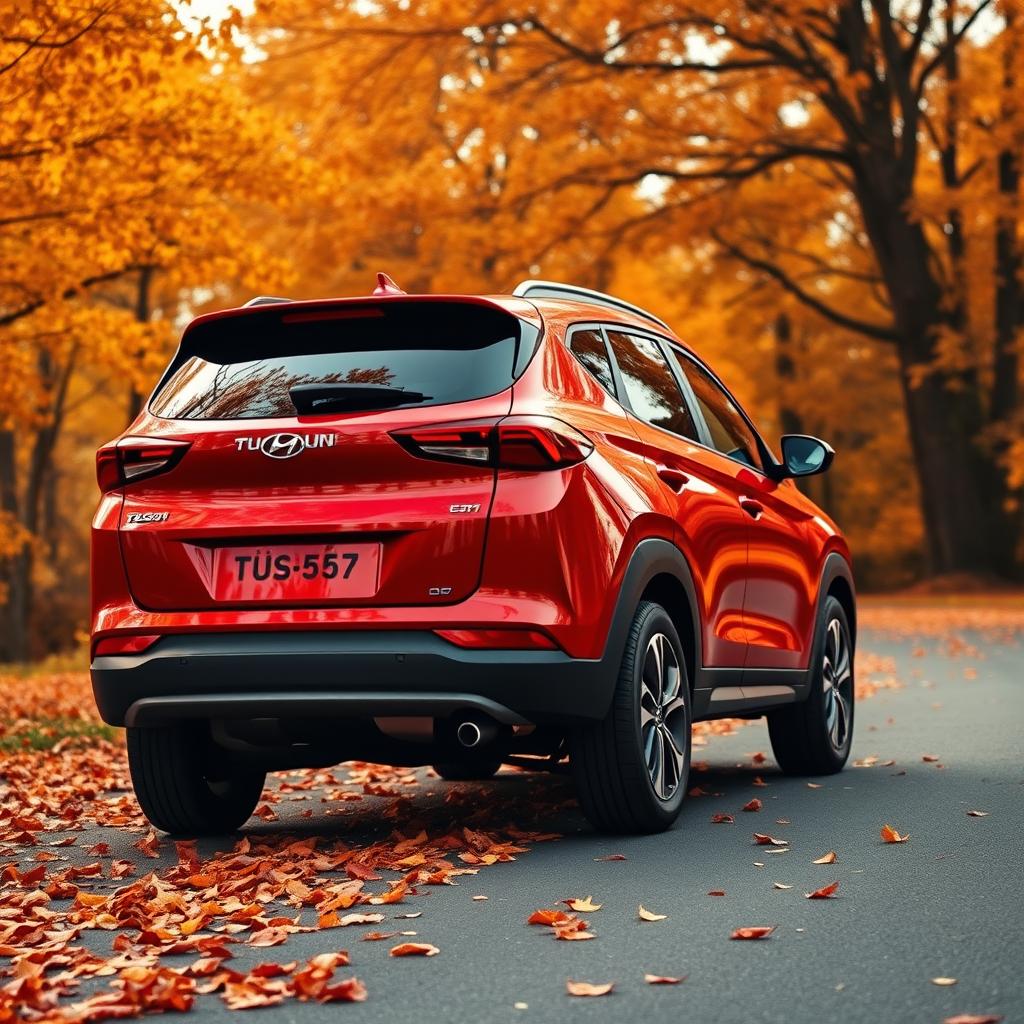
column 658, row 571
column 837, row 582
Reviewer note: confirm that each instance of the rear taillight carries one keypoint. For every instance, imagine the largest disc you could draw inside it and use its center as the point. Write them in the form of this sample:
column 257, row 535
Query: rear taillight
column 516, row 442
column 133, row 458
column 499, row 639
column 123, row 645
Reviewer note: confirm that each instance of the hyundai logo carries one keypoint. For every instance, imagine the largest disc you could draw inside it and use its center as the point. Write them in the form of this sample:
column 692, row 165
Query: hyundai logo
column 284, row 445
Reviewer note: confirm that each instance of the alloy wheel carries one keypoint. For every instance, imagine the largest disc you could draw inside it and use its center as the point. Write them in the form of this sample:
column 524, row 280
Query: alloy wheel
column 837, row 682
column 663, row 726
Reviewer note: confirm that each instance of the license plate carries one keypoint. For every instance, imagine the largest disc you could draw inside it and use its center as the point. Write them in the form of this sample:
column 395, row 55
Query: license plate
column 296, row 572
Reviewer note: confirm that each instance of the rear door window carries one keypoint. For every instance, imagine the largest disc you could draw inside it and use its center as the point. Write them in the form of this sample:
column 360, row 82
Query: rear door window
column 650, row 385
column 242, row 367
column 589, row 348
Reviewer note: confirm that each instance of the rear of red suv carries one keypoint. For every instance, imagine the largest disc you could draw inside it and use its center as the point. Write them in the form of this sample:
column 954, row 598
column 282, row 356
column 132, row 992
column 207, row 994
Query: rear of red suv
column 331, row 535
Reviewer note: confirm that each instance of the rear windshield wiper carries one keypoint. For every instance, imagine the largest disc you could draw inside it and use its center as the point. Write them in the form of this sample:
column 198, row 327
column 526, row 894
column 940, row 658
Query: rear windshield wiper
column 311, row 398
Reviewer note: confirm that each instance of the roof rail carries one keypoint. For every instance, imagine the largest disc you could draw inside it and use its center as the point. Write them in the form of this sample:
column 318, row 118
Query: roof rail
column 264, row 300
column 557, row 290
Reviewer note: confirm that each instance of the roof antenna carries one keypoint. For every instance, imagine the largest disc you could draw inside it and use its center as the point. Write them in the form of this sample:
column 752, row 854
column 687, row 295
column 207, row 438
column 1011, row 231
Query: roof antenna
column 385, row 286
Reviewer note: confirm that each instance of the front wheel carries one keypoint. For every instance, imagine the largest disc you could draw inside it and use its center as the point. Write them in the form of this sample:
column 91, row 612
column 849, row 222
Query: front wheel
column 179, row 789
column 814, row 736
column 632, row 766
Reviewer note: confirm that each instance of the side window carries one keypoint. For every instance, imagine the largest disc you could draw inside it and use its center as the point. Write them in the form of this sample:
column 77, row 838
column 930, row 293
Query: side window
column 650, row 386
column 589, row 348
column 730, row 432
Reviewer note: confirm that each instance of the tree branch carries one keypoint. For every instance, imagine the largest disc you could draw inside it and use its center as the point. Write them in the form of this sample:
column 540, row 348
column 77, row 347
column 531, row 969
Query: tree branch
column 875, row 331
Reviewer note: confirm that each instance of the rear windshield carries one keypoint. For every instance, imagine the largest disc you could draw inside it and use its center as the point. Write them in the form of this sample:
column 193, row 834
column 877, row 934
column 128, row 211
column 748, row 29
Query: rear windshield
column 242, row 367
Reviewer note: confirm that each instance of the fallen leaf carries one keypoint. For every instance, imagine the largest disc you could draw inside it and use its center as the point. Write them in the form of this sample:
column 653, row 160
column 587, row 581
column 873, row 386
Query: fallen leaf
column 890, row 835
column 549, row 917
column 611, row 856
column 717, row 892
column 394, row 895
column 752, row 805
column 378, row 936
column 814, row 785
column 929, row 758
column 722, row 819
column 828, row 858
column 826, row 892
column 479, row 898
column 414, row 949
column 149, row 845
column 974, row 1018
column 269, row 937
column 662, row 979
column 585, row 988
column 762, row 840
column 350, row 990
column 978, row 814
column 583, row 906
column 781, row 885
column 753, row 932
column 944, row 981
column 570, row 933
column 647, row 915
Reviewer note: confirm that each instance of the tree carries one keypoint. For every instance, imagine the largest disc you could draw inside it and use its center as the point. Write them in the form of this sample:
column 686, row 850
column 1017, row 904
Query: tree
column 97, row 199
column 861, row 158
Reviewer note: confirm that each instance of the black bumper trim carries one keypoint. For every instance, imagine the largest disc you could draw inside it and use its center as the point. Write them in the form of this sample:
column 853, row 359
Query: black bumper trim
column 357, row 673
column 367, row 704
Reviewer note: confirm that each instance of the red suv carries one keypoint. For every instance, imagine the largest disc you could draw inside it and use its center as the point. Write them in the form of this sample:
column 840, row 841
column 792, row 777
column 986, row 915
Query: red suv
column 450, row 530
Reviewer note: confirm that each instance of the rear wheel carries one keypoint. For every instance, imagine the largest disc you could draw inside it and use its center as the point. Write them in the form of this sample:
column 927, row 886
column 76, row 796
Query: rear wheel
column 468, row 769
column 179, row 789
column 631, row 767
column 814, row 736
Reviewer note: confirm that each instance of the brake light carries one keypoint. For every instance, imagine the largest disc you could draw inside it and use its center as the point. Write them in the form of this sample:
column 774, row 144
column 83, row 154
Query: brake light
column 498, row 639
column 123, row 645
column 133, row 458
column 516, row 442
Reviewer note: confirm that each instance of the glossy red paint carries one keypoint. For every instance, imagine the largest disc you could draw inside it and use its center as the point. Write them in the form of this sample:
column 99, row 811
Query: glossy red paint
column 459, row 547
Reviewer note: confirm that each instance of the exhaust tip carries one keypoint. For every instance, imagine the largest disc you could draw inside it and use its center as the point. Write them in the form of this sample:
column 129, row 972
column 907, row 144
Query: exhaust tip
column 469, row 734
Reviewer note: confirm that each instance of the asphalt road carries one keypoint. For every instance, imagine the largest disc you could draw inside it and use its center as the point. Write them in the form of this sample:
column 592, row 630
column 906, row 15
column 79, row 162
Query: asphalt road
column 949, row 902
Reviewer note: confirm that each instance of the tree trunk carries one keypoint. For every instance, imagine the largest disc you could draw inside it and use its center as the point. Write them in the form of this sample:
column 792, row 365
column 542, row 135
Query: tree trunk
column 944, row 415
column 143, row 310
column 14, row 611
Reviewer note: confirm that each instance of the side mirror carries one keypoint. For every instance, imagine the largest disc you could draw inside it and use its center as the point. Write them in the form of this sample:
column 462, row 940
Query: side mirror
column 803, row 455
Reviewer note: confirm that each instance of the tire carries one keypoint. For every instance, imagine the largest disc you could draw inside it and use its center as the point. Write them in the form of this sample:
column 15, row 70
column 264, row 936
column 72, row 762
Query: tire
column 615, row 761
column 178, row 792
column 814, row 736
column 468, row 769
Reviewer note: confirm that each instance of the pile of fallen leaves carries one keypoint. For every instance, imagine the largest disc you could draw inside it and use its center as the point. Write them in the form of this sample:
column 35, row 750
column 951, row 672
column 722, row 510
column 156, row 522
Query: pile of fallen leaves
column 39, row 712
column 998, row 621
column 177, row 933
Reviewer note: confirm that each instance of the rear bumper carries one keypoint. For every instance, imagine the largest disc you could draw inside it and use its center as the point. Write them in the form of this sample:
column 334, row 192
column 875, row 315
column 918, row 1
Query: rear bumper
column 345, row 674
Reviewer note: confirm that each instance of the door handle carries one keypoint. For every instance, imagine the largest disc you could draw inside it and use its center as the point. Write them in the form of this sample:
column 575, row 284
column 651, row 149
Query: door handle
column 751, row 506
column 675, row 478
